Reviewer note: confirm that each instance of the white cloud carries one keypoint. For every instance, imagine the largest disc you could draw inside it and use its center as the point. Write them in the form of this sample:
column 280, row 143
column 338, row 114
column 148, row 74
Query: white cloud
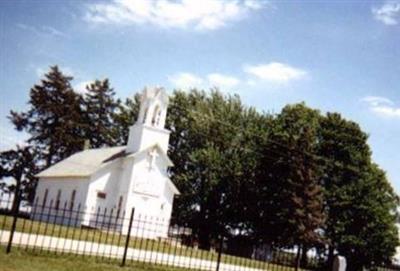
column 275, row 72
column 222, row 81
column 40, row 71
column 9, row 138
column 377, row 100
column 10, row 142
column 388, row 13
column 43, row 30
column 52, row 31
column 202, row 15
column 251, row 82
column 185, row 80
column 81, row 87
column 387, row 111
column 382, row 106
column 255, row 4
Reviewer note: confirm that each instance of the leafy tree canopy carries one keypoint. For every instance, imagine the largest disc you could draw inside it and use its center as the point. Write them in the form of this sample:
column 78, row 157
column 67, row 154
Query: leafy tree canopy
column 296, row 178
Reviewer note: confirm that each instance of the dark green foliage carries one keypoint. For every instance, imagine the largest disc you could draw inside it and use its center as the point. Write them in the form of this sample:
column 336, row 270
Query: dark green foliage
column 99, row 110
column 290, row 181
column 20, row 165
column 213, row 160
column 54, row 119
column 124, row 117
column 298, row 178
column 370, row 235
column 359, row 201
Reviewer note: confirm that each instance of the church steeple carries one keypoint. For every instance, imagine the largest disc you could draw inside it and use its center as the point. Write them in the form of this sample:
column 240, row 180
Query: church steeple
column 149, row 127
column 153, row 107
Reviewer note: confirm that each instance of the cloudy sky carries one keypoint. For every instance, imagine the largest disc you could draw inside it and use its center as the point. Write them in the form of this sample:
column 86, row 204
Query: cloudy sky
column 335, row 55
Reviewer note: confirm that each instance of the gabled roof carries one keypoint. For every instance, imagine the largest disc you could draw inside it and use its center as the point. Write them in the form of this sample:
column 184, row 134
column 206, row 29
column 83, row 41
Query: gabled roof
column 87, row 162
column 83, row 164
column 173, row 187
column 163, row 155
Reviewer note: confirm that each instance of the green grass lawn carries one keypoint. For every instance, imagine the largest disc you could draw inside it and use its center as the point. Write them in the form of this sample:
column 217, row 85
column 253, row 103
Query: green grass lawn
column 104, row 237
column 20, row 260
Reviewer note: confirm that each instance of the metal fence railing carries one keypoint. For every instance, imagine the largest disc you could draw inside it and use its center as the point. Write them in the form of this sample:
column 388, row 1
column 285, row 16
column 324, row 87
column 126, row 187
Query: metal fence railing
column 125, row 237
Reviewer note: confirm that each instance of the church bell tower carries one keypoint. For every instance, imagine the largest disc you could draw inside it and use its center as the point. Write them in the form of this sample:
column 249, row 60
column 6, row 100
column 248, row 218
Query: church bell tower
column 149, row 128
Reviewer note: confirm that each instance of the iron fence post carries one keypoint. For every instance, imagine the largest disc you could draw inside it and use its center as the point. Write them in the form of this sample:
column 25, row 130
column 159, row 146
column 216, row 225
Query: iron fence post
column 15, row 207
column 221, row 244
column 127, row 237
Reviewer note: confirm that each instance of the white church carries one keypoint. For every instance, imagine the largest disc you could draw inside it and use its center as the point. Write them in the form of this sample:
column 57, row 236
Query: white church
column 118, row 178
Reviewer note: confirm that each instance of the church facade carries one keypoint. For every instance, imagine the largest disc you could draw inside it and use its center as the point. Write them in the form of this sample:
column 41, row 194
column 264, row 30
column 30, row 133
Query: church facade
column 118, row 178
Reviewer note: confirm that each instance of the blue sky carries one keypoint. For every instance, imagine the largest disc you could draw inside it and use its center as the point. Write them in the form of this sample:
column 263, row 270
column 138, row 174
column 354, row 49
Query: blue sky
column 339, row 56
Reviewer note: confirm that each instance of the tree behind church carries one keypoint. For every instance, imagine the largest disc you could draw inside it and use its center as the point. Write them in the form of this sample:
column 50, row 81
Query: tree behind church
column 20, row 165
column 360, row 203
column 54, row 119
column 124, row 117
column 214, row 161
column 291, row 181
column 99, row 109
column 226, row 183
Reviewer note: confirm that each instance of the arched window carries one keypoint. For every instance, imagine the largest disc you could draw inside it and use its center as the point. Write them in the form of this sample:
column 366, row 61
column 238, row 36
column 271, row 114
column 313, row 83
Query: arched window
column 119, row 210
column 58, row 199
column 155, row 120
column 158, row 117
column 46, row 193
column 145, row 115
column 71, row 203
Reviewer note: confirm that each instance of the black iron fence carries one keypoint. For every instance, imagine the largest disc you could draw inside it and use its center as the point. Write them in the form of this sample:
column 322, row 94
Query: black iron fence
column 124, row 237
column 389, row 267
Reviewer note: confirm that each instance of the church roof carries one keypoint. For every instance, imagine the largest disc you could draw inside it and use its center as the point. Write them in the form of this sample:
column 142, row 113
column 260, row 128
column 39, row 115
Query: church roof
column 84, row 163
column 156, row 146
column 87, row 162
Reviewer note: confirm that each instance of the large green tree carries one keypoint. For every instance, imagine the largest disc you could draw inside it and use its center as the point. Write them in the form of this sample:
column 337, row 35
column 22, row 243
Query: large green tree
column 54, row 119
column 359, row 202
column 213, row 159
column 291, row 183
column 100, row 110
column 370, row 234
column 268, row 179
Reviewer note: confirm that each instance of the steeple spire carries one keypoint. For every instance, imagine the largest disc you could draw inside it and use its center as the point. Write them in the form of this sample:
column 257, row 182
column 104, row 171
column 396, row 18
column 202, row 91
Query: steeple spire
column 149, row 127
column 153, row 107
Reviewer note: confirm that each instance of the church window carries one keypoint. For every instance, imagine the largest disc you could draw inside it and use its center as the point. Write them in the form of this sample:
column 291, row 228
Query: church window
column 121, row 198
column 58, row 199
column 71, row 204
column 46, row 193
column 156, row 116
column 162, row 206
column 145, row 115
column 152, row 159
column 101, row 195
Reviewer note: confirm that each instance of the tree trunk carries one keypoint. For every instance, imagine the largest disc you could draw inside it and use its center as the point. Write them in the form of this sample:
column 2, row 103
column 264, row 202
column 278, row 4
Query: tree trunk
column 49, row 156
column 17, row 197
column 204, row 237
column 331, row 251
column 204, row 224
column 304, row 259
column 298, row 257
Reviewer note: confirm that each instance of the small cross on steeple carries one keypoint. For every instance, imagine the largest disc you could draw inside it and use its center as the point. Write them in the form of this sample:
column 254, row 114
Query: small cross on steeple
column 153, row 156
